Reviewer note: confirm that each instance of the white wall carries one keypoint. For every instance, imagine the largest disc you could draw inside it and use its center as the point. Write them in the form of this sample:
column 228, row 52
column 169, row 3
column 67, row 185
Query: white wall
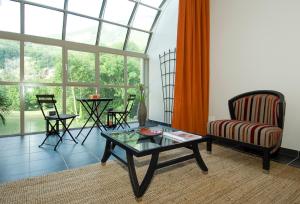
column 255, row 44
column 164, row 38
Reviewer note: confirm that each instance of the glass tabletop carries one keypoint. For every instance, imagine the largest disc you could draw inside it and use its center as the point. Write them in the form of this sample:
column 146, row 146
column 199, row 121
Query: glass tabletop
column 140, row 143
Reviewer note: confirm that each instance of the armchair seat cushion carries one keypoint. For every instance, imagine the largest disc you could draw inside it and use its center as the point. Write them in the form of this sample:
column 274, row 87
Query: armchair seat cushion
column 248, row 132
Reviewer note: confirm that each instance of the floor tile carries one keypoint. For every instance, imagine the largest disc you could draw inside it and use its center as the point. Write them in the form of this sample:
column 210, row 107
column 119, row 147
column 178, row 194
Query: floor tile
column 80, row 159
column 14, row 169
column 44, row 155
column 10, row 178
column 11, row 160
column 295, row 163
column 47, row 171
column 56, row 163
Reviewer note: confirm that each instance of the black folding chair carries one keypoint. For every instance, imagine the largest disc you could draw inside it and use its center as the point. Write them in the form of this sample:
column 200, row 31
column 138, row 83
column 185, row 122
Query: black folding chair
column 120, row 117
column 48, row 101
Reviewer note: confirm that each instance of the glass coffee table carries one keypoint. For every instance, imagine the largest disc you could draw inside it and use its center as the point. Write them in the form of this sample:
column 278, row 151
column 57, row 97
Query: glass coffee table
column 138, row 145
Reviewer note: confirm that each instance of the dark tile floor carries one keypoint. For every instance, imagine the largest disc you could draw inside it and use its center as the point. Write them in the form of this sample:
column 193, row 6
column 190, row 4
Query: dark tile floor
column 20, row 156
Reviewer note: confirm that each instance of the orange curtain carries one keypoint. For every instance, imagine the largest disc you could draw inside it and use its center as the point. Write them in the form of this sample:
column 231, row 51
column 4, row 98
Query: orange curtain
column 192, row 67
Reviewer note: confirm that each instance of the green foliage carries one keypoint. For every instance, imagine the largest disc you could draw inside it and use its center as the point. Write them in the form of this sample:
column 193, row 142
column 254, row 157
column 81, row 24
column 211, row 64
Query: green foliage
column 44, row 64
column 8, row 50
column 81, row 67
column 5, row 104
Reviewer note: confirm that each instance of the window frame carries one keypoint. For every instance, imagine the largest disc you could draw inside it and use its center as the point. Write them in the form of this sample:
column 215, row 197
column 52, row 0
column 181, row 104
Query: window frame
column 22, row 39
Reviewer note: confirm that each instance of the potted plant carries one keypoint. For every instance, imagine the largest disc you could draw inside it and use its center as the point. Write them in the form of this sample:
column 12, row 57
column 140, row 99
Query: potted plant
column 142, row 109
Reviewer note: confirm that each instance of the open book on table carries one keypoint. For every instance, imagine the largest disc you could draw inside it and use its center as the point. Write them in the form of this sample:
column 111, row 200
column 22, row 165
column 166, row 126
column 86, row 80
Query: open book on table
column 181, row 136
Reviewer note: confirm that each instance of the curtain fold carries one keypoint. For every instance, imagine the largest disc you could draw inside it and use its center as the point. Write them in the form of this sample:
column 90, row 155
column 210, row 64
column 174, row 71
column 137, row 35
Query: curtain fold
column 191, row 97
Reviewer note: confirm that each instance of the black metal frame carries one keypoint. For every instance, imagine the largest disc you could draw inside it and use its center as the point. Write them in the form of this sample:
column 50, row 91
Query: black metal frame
column 168, row 69
column 266, row 151
column 119, row 117
column 94, row 113
column 140, row 188
column 49, row 99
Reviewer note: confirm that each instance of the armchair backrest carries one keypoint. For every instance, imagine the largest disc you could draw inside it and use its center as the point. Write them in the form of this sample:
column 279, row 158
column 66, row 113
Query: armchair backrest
column 263, row 106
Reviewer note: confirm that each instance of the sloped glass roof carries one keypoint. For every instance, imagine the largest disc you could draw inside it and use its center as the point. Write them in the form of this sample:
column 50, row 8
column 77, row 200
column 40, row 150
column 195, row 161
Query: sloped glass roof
column 118, row 24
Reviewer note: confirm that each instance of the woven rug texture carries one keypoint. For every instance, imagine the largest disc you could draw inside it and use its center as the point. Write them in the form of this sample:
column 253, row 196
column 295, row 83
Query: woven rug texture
column 233, row 177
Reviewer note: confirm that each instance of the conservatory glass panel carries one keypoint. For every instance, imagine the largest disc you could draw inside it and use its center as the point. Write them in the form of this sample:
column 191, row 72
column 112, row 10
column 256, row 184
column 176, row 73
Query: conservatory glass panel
column 42, row 63
column 52, row 3
column 43, row 22
column 75, row 107
column 112, row 36
column 118, row 94
column 81, row 66
column 89, row 8
column 144, row 18
column 111, row 69
column 133, row 114
column 10, row 99
column 137, row 41
column 9, row 60
column 82, row 30
column 118, row 11
column 154, row 3
column 10, row 16
column 34, row 120
column 135, row 70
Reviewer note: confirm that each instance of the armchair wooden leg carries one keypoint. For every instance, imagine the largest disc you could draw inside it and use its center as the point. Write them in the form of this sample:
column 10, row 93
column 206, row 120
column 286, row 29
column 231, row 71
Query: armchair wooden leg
column 266, row 159
column 209, row 144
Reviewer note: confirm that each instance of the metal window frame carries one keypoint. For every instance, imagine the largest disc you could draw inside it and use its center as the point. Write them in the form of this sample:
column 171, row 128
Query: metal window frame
column 65, row 45
column 101, row 20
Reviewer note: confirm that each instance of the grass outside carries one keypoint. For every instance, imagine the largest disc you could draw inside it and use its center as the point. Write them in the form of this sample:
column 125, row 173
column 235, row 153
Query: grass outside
column 34, row 122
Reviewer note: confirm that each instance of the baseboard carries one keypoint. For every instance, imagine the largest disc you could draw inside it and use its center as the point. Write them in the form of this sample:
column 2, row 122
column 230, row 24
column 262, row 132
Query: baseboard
column 159, row 123
column 289, row 152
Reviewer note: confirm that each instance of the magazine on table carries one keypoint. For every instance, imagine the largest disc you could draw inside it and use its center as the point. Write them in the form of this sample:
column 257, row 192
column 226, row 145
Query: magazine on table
column 181, row 136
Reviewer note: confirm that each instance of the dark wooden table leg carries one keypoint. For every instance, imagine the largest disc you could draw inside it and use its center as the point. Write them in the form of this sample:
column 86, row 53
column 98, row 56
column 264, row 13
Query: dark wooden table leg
column 107, row 151
column 198, row 158
column 139, row 190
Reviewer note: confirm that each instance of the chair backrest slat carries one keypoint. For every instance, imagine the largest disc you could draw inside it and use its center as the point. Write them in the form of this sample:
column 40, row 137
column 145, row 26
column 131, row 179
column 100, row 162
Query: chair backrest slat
column 46, row 100
column 130, row 102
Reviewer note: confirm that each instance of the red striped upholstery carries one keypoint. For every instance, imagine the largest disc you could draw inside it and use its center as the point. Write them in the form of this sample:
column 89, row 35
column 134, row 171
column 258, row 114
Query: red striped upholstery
column 253, row 133
column 259, row 108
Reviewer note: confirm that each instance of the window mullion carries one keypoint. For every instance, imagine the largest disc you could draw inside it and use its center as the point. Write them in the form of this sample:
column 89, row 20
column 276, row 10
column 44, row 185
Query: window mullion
column 65, row 20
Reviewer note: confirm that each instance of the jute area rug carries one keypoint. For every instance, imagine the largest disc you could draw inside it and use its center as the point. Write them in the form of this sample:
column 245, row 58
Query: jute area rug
column 233, row 177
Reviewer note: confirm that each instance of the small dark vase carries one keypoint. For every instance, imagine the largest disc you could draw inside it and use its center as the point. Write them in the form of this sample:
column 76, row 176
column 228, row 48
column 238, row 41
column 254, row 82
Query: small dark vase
column 142, row 113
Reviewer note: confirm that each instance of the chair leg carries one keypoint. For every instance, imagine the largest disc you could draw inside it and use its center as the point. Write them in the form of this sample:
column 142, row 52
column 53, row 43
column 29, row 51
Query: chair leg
column 209, row 143
column 266, row 159
column 59, row 141
column 47, row 135
column 67, row 130
column 48, row 132
column 118, row 122
column 123, row 120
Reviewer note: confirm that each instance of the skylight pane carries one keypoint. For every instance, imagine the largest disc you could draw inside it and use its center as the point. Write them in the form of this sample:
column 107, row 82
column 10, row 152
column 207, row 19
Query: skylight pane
column 144, row 17
column 52, row 3
column 81, row 30
column 112, row 36
column 118, row 11
column 154, row 3
column 89, row 8
column 43, row 22
column 10, row 16
column 137, row 41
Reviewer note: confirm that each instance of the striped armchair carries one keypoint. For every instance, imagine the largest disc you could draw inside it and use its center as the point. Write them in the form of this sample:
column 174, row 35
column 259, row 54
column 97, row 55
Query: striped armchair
column 257, row 120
